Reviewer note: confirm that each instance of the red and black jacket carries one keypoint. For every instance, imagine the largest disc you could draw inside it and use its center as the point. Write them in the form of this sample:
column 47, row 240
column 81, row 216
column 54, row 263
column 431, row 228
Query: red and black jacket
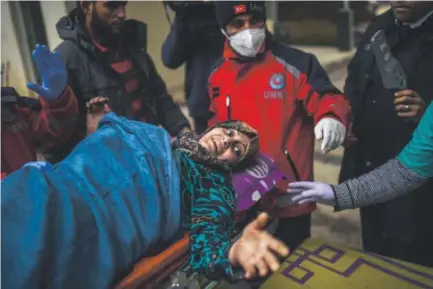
column 282, row 93
column 27, row 122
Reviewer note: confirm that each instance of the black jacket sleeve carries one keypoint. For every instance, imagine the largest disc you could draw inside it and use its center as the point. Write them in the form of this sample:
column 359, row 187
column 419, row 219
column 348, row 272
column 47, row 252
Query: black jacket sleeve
column 169, row 113
column 352, row 82
column 70, row 55
column 175, row 49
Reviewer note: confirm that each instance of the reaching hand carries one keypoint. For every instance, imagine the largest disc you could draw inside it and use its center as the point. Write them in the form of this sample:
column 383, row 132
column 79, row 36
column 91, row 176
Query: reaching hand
column 97, row 107
column 53, row 72
column 311, row 192
column 332, row 132
column 256, row 249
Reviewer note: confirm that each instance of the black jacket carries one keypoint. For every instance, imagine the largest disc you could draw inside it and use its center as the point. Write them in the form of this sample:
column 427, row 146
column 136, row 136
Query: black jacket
column 89, row 77
column 381, row 133
column 199, row 51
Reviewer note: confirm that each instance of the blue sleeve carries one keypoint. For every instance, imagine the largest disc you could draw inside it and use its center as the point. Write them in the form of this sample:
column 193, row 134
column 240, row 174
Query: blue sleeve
column 175, row 47
column 85, row 222
column 211, row 222
column 418, row 154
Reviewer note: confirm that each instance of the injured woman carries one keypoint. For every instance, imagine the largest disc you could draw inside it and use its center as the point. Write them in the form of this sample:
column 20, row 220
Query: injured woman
column 124, row 193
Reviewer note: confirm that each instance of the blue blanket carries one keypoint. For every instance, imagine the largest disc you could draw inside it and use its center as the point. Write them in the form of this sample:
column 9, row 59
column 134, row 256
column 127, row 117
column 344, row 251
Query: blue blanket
column 118, row 192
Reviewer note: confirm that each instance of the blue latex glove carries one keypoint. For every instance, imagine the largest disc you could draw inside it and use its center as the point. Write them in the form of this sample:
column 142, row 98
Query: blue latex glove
column 310, row 192
column 53, row 71
column 43, row 166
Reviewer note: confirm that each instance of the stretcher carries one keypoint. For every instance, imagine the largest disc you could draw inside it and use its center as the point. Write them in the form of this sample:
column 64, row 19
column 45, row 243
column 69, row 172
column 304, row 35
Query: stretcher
column 169, row 269
column 315, row 264
column 319, row 264
column 153, row 271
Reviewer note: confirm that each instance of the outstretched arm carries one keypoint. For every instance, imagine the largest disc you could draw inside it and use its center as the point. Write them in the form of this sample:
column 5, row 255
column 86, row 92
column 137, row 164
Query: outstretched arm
column 56, row 122
column 412, row 168
column 385, row 183
column 326, row 104
column 399, row 176
column 211, row 231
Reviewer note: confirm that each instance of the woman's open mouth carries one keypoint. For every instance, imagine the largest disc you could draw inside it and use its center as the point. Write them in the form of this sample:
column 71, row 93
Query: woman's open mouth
column 215, row 146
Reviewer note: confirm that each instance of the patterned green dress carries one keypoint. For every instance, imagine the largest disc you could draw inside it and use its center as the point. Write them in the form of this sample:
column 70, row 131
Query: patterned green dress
column 208, row 212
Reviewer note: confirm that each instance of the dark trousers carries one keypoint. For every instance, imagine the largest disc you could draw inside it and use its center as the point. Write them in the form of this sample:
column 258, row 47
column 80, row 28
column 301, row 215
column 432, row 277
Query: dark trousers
column 376, row 239
column 293, row 231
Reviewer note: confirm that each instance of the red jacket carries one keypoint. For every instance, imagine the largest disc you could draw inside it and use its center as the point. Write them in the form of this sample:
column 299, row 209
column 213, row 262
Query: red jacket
column 282, row 93
column 50, row 126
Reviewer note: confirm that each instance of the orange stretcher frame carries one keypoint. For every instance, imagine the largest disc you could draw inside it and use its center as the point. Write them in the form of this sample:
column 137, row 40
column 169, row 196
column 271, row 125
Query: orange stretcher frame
column 151, row 271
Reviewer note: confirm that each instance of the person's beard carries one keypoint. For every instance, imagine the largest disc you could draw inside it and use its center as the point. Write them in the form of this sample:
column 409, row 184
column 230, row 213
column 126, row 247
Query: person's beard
column 104, row 32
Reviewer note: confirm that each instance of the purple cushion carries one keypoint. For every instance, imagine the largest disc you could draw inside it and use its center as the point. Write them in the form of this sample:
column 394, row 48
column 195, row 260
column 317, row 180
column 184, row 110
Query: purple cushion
column 253, row 183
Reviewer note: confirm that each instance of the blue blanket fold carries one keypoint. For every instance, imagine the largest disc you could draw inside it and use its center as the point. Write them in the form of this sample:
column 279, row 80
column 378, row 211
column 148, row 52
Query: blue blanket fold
column 89, row 219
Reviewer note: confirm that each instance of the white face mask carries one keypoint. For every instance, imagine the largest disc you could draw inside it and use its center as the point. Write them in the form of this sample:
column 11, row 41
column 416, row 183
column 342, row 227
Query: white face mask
column 247, row 42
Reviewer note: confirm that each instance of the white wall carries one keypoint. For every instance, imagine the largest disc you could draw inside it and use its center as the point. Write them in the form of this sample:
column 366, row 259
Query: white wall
column 52, row 11
column 10, row 53
column 152, row 13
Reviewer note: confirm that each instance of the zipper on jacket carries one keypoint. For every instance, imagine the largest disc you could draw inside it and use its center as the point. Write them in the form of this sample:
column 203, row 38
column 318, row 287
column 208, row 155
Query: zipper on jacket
column 229, row 109
column 292, row 164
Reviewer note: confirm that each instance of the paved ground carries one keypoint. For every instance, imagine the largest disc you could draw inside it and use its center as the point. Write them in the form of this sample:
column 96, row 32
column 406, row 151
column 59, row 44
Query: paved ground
column 342, row 228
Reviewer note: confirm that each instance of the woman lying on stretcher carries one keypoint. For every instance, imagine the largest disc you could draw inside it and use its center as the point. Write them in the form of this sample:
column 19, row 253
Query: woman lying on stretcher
column 85, row 221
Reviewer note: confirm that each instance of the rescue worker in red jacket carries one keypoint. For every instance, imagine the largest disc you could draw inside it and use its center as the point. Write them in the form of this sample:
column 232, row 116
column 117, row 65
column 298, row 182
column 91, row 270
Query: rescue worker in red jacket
column 284, row 93
column 26, row 122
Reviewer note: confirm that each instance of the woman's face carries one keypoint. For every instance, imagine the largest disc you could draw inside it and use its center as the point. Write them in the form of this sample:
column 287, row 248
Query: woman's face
column 226, row 144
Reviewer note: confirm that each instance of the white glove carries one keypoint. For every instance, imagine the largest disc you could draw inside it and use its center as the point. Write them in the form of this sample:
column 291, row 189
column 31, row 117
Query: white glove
column 332, row 132
column 311, row 192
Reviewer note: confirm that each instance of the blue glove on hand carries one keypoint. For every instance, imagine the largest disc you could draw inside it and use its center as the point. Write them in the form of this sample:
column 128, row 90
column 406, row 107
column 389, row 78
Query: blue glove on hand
column 53, row 71
column 43, row 166
column 310, row 192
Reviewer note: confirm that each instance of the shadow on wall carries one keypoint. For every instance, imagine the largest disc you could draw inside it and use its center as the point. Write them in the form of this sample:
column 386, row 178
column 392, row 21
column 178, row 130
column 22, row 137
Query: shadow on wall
column 13, row 73
column 158, row 27
column 314, row 22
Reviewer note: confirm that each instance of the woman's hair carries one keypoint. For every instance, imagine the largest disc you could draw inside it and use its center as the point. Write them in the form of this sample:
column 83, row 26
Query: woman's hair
column 189, row 144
